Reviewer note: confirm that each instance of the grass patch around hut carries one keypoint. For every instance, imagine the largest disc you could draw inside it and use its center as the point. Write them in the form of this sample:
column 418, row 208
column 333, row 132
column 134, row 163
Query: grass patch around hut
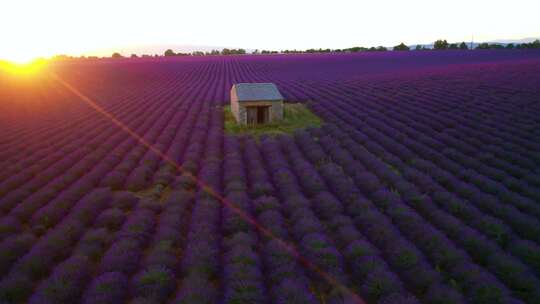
column 295, row 116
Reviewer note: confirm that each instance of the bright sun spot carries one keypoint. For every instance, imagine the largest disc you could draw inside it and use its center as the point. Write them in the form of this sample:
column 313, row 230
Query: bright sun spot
column 21, row 53
column 23, row 68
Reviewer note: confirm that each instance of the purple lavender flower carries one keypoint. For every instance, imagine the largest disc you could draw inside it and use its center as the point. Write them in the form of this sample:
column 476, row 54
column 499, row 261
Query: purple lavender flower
column 397, row 298
column 264, row 203
column 12, row 248
column 124, row 200
column 16, row 287
column 197, row 289
column 381, row 283
column 292, row 291
column 115, row 180
column 110, row 287
column 123, row 256
column 93, row 243
column 111, row 219
column 443, row 294
column 65, row 284
column 9, row 225
column 327, row 205
column 155, row 283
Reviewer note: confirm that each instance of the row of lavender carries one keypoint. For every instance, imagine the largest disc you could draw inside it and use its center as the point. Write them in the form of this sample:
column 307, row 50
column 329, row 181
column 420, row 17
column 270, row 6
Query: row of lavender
column 60, row 183
column 114, row 83
column 494, row 220
column 395, row 200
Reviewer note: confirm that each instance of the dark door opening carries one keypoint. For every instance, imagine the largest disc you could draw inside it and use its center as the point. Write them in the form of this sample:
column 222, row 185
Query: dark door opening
column 258, row 114
column 262, row 115
column 251, row 115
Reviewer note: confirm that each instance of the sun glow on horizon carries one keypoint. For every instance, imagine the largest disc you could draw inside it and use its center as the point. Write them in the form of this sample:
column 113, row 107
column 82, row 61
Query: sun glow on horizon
column 31, row 67
column 20, row 58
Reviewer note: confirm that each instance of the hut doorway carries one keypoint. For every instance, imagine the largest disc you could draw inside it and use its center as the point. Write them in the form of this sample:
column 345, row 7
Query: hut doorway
column 258, row 114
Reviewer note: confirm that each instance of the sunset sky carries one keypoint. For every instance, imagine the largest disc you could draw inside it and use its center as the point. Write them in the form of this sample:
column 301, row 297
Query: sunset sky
column 32, row 29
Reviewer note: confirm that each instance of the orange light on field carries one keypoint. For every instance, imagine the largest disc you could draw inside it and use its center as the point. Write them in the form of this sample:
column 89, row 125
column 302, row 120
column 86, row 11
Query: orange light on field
column 23, row 69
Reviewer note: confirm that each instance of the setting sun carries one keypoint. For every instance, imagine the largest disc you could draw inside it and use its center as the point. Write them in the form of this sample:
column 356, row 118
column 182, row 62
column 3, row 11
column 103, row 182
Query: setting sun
column 21, row 58
column 23, row 68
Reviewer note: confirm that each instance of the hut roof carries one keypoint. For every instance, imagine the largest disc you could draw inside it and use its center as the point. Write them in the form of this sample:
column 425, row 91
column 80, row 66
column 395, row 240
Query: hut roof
column 257, row 91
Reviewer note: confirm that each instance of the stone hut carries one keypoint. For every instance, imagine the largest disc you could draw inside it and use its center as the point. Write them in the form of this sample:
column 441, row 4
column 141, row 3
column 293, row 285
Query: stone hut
column 256, row 103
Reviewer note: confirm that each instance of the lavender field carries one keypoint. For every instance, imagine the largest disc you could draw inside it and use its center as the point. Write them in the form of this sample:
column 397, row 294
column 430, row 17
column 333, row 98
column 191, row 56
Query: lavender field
column 118, row 184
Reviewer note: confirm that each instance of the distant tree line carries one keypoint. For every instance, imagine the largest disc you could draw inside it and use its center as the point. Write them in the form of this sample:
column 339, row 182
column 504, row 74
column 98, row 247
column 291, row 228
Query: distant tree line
column 224, row 51
column 444, row 45
column 233, row 52
column 401, row 47
column 327, row 50
column 169, row 53
column 494, row 46
column 227, row 51
column 441, row 44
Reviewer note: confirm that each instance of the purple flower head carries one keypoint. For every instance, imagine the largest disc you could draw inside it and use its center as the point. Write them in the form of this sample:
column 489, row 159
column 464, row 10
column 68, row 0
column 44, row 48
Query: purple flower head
column 264, row 203
column 293, row 291
column 381, row 283
column 110, row 287
column 124, row 200
column 93, row 243
column 111, row 219
column 123, row 256
column 439, row 293
column 16, row 287
column 65, row 284
column 156, row 282
column 197, row 289
column 200, row 257
column 327, row 205
column 13, row 248
column 397, row 298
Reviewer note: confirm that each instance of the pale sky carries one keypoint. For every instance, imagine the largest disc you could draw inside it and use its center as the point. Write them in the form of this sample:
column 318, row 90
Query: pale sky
column 30, row 29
